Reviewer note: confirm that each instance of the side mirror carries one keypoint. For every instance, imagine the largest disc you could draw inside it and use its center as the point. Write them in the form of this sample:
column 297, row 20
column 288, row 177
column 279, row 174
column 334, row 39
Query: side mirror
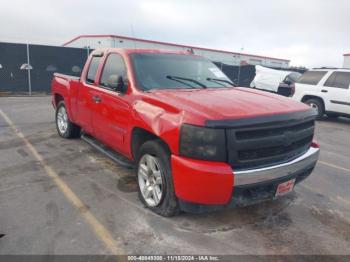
column 288, row 82
column 117, row 83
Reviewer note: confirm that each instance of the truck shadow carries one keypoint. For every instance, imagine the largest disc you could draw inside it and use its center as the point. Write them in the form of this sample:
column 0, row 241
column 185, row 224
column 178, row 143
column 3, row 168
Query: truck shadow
column 227, row 220
column 338, row 120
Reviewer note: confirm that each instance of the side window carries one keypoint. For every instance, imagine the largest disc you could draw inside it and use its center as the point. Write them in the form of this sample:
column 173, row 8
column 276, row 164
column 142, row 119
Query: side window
column 330, row 79
column 339, row 80
column 95, row 61
column 311, row 77
column 114, row 66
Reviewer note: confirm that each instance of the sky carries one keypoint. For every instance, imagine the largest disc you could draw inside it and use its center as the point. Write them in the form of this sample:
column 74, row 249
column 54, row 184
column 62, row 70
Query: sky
column 310, row 33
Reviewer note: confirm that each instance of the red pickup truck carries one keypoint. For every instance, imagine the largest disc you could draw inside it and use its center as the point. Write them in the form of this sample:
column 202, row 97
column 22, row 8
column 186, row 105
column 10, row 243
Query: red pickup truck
column 198, row 142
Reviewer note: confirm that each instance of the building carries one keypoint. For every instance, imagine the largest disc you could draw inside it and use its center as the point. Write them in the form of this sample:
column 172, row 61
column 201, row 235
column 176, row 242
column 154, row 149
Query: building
column 346, row 63
column 220, row 56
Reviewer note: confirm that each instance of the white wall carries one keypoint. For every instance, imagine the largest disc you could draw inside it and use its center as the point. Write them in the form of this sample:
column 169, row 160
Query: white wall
column 216, row 56
column 346, row 61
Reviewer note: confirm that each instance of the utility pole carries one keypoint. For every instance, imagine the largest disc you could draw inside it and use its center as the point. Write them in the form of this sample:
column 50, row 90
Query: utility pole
column 28, row 69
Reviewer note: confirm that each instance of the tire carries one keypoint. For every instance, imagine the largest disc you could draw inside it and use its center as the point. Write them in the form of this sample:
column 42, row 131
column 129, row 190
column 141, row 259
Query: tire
column 332, row 115
column 65, row 128
column 159, row 194
column 317, row 105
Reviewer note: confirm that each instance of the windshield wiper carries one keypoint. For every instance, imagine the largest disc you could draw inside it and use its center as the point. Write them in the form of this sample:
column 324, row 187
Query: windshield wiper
column 178, row 78
column 221, row 80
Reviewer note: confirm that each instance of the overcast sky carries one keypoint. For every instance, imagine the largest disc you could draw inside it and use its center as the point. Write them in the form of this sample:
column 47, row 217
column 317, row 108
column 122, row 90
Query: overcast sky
column 309, row 32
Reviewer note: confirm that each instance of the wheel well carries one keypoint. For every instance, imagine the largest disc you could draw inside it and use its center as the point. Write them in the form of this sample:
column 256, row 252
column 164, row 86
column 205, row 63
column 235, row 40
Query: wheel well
column 139, row 137
column 305, row 98
column 58, row 98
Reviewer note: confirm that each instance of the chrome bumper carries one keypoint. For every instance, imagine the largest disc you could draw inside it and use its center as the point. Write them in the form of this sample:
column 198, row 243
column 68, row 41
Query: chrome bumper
column 253, row 176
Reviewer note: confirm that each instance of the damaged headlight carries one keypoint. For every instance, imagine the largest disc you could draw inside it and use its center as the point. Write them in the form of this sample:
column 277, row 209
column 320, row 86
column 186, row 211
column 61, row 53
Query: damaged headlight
column 203, row 143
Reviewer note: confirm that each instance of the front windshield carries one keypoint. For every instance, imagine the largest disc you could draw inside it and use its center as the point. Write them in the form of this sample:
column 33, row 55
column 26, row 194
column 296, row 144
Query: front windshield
column 173, row 71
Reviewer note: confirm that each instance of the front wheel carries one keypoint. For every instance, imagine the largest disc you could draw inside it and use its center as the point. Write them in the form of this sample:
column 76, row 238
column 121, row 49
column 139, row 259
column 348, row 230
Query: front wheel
column 156, row 188
column 317, row 105
column 65, row 128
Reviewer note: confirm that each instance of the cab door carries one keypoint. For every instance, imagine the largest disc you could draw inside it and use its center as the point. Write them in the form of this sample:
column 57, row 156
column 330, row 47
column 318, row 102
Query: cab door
column 85, row 101
column 111, row 116
column 336, row 89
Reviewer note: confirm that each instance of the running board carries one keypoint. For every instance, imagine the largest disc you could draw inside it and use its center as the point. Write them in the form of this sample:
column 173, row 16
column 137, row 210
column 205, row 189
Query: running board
column 116, row 157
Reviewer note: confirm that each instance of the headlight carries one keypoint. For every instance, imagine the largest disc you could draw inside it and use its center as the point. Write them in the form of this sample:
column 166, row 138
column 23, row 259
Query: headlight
column 203, row 143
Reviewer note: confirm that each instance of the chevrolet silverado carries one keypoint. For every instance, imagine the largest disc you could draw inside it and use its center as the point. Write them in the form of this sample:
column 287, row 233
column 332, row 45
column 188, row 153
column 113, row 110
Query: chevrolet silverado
column 197, row 142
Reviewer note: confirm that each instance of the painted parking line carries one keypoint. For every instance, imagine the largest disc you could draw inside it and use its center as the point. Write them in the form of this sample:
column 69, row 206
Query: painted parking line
column 100, row 231
column 333, row 165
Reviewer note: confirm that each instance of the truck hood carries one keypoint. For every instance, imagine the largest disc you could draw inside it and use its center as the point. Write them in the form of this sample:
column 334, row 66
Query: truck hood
column 224, row 103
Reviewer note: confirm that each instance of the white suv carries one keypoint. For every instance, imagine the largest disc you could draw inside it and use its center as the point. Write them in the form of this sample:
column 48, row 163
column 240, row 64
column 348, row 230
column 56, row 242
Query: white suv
column 326, row 90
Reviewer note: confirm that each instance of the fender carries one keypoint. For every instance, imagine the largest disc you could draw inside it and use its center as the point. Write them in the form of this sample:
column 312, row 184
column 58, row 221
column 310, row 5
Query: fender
column 62, row 87
column 162, row 120
column 317, row 96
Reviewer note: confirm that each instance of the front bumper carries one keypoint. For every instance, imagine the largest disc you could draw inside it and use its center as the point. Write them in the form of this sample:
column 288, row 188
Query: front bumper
column 203, row 185
column 254, row 176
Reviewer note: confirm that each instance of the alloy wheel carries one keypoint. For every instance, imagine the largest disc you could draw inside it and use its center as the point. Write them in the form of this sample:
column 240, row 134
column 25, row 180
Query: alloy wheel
column 314, row 106
column 62, row 120
column 150, row 180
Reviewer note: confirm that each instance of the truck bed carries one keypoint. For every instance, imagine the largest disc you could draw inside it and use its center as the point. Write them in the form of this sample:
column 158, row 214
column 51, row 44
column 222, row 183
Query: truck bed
column 68, row 77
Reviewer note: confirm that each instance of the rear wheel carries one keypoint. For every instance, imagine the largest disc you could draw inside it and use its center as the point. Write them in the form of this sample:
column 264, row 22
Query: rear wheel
column 156, row 189
column 65, row 128
column 317, row 105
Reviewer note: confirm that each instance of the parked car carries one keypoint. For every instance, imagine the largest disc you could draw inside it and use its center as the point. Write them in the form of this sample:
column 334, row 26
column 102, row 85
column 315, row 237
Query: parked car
column 326, row 90
column 275, row 81
column 197, row 142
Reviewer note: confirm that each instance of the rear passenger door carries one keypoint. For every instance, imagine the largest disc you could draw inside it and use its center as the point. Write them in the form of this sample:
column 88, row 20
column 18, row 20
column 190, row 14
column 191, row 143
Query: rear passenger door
column 336, row 88
column 86, row 103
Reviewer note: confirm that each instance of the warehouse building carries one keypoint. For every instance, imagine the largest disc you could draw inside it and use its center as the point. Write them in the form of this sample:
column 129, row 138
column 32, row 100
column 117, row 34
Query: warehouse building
column 346, row 63
column 220, row 56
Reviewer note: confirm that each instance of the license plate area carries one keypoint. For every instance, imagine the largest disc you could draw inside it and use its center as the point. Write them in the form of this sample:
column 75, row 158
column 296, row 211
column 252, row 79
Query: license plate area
column 285, row 188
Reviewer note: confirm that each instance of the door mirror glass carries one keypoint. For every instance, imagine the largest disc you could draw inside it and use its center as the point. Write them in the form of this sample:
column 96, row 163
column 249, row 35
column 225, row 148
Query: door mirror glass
column 288, row 82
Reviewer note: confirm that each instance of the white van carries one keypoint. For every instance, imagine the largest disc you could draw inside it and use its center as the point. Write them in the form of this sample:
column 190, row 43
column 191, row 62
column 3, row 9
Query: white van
column 326, row 90
column 275, row 81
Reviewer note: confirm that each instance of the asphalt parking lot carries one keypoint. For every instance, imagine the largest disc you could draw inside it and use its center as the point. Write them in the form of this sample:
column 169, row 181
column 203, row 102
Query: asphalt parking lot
column 61, row 196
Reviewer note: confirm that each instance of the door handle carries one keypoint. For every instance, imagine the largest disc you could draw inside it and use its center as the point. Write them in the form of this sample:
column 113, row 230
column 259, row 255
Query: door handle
column 97, row 99
column 324, row 91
